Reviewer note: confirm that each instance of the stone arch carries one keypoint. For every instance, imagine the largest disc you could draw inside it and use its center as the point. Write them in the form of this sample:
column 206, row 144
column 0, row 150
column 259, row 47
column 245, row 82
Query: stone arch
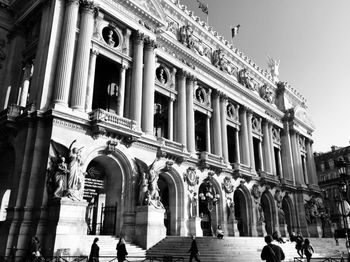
column 243, row 210
column 269, row 210
column 117, row 196
column 287, row 208
column 176, row 208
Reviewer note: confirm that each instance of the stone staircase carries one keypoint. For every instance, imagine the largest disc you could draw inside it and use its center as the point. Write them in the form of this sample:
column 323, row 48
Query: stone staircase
column 240, row 249
column 108, row 250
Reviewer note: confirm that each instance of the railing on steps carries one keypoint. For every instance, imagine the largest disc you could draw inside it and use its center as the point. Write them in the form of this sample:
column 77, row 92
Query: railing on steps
column 321, row 259
column 86, row 259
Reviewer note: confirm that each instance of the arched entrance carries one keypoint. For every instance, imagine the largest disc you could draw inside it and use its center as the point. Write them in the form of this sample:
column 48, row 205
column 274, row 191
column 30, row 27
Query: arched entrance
column 104, row 193
column 242, row 208
column 269, row 212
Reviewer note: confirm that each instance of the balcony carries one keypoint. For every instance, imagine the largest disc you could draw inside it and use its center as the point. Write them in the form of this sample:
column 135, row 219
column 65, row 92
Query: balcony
column 106, row 123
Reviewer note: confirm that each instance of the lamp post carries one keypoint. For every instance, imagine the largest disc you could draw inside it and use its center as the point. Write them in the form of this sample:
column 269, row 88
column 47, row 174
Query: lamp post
column 343, row 189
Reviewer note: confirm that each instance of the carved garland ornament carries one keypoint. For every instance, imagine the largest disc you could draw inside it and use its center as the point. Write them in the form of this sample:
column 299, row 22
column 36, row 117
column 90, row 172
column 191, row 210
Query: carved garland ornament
column 190, row 176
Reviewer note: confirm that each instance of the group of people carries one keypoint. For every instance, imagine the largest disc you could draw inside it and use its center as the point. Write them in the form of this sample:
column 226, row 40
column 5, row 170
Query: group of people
column 121, row 250
column 302, row 246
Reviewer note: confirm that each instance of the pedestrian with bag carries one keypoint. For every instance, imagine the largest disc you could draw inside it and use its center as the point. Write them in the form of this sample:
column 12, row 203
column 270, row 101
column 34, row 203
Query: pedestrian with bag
column 271, row 252
column 95, row 251
column 194, row 252
column 307, row 249
column 121, row 250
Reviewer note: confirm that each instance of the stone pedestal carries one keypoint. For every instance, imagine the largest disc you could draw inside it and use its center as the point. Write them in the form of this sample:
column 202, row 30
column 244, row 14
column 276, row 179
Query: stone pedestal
column 194, row 224
column 67, row 226
column 232, row 228
column 149, row 224
column 315, row 230
column 284, row 230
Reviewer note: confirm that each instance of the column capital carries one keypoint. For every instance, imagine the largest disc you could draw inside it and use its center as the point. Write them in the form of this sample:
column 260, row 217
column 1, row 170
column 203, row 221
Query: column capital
column 68, row 2
column 95, row 51
column 223, row 96
column 87, row 5
column 138, row 37
column 190, row 77
column 292, row 131
column 181, row 73
column 149, row 44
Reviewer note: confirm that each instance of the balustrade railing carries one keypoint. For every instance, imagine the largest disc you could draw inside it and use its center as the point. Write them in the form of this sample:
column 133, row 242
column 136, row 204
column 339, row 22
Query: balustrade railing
column 102, row 115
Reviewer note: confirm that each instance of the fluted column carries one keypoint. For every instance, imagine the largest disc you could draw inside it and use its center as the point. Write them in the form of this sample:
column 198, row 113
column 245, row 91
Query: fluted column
column 261, row 161
column 272, row 152
column 238, row 150
column 280, row 170
column 223, row 103
column 266, row 146
column 217, row 145
column 171, row 118
column 311, row 168
column 91, row 81
column 121, row 93
column 191, row 146
column 66, row 53
column 28, row 71
column 296, row 157
column 81, row 68
column 207, row 137
column 136, row 81
column 250, row 139
column 148, row 85
column 244, row 136
column 286, row 150
column 181, row 108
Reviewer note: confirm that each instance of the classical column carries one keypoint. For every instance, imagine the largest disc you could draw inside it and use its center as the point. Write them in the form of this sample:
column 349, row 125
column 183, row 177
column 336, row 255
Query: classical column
column 66, row 53
column 311, row 163
column 171, row 118
column 280, row 170
column 217, row 145
column 223, row 103
column 266, row 146
column 136, row 80
column 190, row 114
column 121, row 93
column 81, row 68
column 294, row 136
column 91, row 81
column 127, row 93
column 148, row 87
column 181, row 108
column 286, row 149
column 261, row 161
column 28, row 72
column 237, row 142
column 207, row 137
column 272, row 151
column 250, row 139
column 244, row 136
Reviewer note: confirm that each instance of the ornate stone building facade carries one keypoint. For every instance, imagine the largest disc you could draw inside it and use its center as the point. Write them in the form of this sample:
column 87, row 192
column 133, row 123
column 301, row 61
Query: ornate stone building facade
column 135, row 117
column 329, row 180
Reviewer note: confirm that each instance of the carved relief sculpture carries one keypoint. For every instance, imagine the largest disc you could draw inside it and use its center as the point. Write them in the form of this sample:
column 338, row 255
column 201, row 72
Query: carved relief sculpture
column 229, row 190
column 66, row 177
column 192, row 180
column 186, row 36
column 267, row 93
column 256, row 197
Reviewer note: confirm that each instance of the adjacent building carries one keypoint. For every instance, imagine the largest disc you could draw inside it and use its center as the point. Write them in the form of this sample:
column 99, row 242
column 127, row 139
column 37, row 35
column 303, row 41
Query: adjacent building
column 135, row 117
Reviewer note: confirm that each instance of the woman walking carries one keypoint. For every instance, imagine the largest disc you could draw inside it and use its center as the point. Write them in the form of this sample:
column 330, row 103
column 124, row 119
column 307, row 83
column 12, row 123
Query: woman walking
column 307, row 249
column 121, row 250
column 94, row 252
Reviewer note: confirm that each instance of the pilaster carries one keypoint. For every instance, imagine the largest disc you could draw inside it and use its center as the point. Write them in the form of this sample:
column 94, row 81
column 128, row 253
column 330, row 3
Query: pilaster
column 91, row 80
column 181, row 108
column 217, row 146
column 190, row 114
column 223, row 103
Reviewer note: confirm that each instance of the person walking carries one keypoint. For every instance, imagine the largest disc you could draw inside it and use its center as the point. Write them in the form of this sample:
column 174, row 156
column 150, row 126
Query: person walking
column 307, row 249
column 95, row 251
column 121, row 250
column 194, row 252
column 271, row 252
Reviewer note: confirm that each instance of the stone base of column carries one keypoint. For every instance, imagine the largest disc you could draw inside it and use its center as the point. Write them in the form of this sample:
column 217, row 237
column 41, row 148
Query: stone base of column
column 284, row 230
column 67, row 226
column 260, row 227
column 315, row 230
column 128, row 229
column 149, row 226
column 194, row 224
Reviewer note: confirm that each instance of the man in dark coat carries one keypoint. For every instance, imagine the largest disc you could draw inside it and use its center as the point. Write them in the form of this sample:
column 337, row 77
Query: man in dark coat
column 271, row 252
column 95, row 251
column 194, row 250
column 121, row 250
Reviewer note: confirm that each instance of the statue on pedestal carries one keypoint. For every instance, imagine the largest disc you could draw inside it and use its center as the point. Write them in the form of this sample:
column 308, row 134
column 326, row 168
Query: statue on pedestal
column 192, row 181
column 148, row 185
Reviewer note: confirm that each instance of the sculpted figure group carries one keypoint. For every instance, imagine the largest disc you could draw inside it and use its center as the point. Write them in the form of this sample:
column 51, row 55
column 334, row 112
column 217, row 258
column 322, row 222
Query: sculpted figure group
column 66, row 175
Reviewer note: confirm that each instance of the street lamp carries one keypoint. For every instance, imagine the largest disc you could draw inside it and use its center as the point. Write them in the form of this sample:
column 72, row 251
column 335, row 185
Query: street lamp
column 343, row 189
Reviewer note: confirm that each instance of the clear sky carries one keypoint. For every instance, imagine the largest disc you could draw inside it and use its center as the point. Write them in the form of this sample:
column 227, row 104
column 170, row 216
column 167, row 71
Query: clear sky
column 312, row 40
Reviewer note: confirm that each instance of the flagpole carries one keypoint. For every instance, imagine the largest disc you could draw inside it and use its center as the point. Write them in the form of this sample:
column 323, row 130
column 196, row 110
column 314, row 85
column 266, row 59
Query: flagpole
column 208, row 15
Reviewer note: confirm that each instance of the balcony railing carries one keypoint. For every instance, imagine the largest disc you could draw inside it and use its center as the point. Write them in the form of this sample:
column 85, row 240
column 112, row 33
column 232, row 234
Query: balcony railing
column 100, row 115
